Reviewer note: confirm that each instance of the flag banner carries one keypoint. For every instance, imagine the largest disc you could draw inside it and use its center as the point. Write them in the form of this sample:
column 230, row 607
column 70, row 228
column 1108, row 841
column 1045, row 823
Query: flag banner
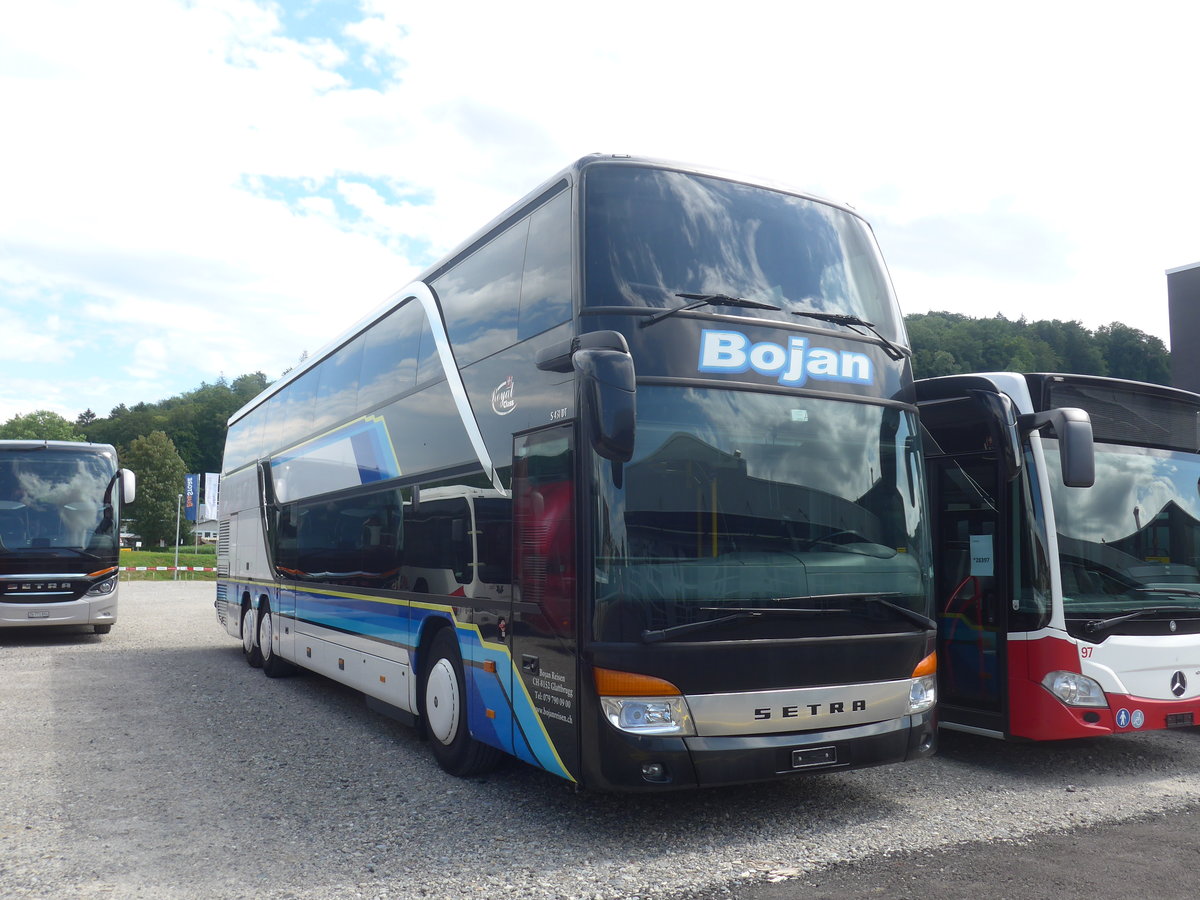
column 212, row 492
column 191, row 496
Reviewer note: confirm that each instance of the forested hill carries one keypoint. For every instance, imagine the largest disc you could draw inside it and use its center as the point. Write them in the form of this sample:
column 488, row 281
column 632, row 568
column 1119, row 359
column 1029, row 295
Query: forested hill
column 949, row 344
column 195, row 421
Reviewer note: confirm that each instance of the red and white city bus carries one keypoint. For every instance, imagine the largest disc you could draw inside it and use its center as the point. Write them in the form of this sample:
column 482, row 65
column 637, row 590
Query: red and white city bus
column 1066, row 519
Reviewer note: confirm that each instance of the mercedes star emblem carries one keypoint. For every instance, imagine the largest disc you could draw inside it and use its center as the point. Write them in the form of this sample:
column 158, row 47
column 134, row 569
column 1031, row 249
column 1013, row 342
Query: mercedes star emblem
column 1178, row 684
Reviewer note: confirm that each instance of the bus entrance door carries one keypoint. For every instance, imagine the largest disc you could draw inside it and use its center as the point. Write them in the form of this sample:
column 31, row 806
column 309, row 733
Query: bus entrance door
column 970, row 581
column 544, row 645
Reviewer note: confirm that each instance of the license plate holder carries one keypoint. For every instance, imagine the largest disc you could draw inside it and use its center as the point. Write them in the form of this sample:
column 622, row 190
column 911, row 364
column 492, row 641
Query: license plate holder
column 814, row 756
column 1181, row 720
column 38, row 614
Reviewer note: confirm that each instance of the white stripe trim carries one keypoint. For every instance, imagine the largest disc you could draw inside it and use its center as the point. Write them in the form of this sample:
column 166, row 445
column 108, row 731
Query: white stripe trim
column 421, row 292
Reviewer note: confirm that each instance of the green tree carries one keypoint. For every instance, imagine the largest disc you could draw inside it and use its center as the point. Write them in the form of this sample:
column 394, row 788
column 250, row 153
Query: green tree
column 1134, row 354
column 194, row 421
column 40, row 425
column 950, row 344
column 160, row 471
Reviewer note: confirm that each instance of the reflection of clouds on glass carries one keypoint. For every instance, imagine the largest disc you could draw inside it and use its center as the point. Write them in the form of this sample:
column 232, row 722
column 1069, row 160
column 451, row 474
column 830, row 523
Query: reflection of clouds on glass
column 653, row 233
column 827, row 445
column 1130, row 480
column 479, row 296
column 74, row 499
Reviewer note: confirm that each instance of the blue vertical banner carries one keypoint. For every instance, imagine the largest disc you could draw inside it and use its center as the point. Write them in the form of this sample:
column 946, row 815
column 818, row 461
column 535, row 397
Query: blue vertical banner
column 191, row 496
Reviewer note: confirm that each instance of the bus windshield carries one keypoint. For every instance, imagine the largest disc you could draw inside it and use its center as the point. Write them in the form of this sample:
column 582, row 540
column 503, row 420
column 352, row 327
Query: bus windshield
column 744, row 501
column 56, row 503
column 1132, row 540
column 651, row 234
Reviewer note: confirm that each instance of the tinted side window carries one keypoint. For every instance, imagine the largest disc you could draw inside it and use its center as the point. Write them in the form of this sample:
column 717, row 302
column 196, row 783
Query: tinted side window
column 480, row 295
column 546, row 281
column 429, row 367
column 337, row 391
column 297, row 409
column 389, row 363
column 351, row 540
column 437, row 546
column 244, row 441
column 271, row 436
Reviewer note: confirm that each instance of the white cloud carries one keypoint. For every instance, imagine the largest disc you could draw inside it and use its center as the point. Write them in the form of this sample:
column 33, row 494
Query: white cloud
column 1028, row 158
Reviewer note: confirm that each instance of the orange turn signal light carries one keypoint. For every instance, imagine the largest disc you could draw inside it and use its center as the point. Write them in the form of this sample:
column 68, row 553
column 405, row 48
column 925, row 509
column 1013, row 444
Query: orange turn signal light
column 927, row 666
column 611, row 683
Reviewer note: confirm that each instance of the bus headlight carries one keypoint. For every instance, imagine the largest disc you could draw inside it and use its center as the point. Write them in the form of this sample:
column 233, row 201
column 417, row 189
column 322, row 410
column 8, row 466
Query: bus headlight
column 101, row 588
column 922, row 694
column 1074, row 689
column 922, row 691
column 642, row 704
column 649, row 715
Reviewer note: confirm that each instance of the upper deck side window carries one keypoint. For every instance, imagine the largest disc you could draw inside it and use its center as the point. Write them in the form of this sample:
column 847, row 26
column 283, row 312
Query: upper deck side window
column 515, row 286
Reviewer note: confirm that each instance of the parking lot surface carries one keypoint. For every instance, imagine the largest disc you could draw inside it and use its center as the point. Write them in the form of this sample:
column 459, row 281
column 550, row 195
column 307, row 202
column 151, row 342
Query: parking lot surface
column 153, row 762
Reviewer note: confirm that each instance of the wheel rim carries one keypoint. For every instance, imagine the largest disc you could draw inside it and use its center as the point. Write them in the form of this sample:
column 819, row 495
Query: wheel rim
column 264, row 634
column 248, row 630
column 441, row 702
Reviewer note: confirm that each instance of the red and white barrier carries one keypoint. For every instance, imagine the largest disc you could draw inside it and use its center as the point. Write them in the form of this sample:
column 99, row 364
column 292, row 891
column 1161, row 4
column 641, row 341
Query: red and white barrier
column 167, row 569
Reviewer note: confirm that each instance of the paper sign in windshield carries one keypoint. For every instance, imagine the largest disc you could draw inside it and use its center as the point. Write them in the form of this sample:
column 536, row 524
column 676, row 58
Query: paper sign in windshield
column 981, row 555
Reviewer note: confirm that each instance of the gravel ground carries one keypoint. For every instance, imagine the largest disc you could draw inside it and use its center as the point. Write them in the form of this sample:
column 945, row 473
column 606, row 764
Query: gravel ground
column 153, row 762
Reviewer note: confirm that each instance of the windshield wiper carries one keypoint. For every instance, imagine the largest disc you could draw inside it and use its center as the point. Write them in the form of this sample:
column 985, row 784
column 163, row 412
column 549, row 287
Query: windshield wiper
column 854, row 323
column 881, row 597
column 911, row 614
column 1186, row 592
column 1101, row 624
column 651, row 636
column 706, row 300
column 654, row 635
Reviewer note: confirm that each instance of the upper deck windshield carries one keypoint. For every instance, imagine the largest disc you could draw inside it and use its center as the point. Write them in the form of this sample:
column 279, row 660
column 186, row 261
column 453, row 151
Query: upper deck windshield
column 1132, row 540
column 739, row 501
column 57, row 504
column 653, row 233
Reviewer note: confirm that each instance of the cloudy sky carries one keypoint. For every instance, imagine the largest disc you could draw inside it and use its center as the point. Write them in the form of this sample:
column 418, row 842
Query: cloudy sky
column 192, row 189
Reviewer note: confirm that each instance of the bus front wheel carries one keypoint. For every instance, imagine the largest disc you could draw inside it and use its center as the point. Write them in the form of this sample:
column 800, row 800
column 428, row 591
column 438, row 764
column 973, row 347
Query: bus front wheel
column 446, row 712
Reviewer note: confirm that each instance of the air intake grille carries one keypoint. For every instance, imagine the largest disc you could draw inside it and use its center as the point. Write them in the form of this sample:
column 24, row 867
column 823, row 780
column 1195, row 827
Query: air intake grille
column 223, row 549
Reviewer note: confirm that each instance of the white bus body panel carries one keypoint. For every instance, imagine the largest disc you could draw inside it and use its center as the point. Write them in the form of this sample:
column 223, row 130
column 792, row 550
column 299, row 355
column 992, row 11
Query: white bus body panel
column 1142, row 666
column 355, row 662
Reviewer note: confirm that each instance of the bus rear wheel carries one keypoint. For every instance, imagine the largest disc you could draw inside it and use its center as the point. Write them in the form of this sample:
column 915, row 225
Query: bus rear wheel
column 273, row 665
column 249, row 626
column 446, row 712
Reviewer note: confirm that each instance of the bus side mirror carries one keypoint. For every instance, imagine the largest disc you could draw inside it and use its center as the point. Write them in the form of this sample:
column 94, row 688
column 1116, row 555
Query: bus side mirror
column 128, row 486
column 1073, row 427
column 1002, row 428
column 610, row 395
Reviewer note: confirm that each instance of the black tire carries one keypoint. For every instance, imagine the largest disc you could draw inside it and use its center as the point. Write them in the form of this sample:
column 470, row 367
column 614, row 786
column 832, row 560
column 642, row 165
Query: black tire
column 444, row 696
column 102, row 629
column 250, row 637
column 273, row 665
